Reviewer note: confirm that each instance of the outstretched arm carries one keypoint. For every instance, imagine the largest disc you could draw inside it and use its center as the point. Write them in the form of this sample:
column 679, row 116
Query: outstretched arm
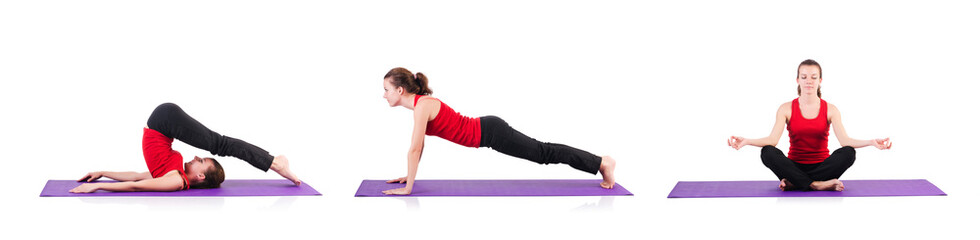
column 847, row 141
column 118, row 176
column 782, row 115
column 170, row 182
column 421, row 118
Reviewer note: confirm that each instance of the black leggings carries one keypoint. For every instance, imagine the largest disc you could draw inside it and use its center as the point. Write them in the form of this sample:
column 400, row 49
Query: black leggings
column 801, row 175
column 496, row 134
column 171, row 121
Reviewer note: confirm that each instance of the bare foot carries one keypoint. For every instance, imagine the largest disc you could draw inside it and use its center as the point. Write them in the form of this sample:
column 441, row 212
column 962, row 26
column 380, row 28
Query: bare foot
column 785, row 185
column 829, row 185
column 606, row 168
column 281, row 165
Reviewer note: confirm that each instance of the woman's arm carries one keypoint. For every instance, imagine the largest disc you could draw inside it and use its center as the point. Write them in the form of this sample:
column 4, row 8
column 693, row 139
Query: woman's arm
column 835, row 120
column 782, row 115
column 422, row 113
column 169, row 182
column 118, row 176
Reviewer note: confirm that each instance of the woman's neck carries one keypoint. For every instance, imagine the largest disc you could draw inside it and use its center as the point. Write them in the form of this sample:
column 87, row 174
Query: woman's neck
column 408, row 101
column 809, row 99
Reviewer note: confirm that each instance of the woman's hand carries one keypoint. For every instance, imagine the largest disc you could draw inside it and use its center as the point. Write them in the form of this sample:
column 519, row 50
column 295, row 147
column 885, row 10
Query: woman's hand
column 92, row 176
column 737, row 142
column 398, row 180
column 398, row 191
column 85, row 188
column 883, row 144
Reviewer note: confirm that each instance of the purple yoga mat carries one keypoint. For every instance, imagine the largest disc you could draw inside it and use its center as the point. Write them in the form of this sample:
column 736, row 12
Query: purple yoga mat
column 373, row 188
column 230, row 188
column 852, row 188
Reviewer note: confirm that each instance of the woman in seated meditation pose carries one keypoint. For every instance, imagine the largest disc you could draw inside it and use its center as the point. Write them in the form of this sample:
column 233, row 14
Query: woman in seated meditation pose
column 809, row 165
column 434, row 117
column 168, row 172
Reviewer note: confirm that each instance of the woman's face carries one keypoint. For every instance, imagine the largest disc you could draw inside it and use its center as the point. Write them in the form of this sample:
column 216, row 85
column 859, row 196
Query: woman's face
column 195, row 168
column 809, row 79
column 392, row 94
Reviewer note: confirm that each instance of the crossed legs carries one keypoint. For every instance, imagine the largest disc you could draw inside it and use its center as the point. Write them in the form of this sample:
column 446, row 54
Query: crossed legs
column 822, row 176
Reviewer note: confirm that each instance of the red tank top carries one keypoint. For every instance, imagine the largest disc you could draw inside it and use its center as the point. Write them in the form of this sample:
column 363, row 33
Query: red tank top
column 452, row 126
column 160, row 157
column 808, row 137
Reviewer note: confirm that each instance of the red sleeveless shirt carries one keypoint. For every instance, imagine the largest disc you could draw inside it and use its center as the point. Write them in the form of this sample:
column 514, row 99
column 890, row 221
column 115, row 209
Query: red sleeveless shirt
column 450, row 125
column 160, row 156
column 808, row 137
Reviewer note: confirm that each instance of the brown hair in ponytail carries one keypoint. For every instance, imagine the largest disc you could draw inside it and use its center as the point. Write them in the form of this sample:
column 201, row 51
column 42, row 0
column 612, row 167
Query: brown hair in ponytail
column 413, row 83
column 809, row 62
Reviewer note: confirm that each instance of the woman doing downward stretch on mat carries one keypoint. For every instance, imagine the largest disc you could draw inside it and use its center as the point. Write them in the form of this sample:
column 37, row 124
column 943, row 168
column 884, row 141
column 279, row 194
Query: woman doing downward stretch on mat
column 167, row 170
column 809, row 166
column 434, row 117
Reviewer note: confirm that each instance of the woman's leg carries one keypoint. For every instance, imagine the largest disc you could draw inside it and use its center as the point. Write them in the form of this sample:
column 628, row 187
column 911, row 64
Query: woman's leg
column 835, row 165
column 173, row 122
column 784, row 168
column 498, row 135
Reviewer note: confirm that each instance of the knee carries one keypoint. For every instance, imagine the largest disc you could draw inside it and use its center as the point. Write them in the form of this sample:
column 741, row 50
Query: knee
column 770, row 153
column 769, row 149
column 847, row 152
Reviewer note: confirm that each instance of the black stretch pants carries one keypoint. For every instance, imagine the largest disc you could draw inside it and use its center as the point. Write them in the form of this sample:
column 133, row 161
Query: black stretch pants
column 496, row 134
column 801, row 175
column 171, row 121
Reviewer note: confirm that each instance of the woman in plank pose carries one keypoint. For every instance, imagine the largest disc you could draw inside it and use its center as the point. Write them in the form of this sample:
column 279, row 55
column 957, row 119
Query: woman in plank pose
column 434, row 117
column 809, row 165
column 167, row 172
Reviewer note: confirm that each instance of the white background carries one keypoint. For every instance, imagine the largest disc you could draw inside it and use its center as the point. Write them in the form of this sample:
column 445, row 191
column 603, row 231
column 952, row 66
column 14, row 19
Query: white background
column 659, row 86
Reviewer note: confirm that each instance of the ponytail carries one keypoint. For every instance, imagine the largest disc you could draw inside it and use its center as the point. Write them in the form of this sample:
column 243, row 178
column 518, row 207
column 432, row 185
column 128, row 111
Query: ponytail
column 423, row 83
column 413, row 83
